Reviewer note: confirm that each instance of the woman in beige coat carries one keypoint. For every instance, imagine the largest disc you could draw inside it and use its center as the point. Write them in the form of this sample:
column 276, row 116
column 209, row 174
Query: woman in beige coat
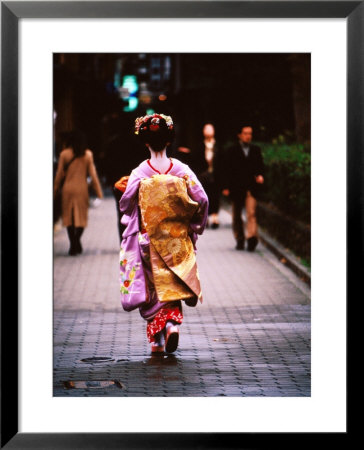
column 75, row 165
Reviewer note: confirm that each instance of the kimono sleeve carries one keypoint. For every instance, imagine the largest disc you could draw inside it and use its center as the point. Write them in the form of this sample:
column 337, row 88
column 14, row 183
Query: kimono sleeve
column 198, row 194
column 129, row 199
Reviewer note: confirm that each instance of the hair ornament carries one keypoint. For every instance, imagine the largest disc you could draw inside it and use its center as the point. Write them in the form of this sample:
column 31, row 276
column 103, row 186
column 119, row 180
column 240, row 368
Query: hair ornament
column 154, row 126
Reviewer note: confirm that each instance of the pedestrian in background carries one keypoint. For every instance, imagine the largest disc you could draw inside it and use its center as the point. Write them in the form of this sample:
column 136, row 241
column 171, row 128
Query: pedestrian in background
column 243, row 180
column 57, row 200
column 164, row 207
column 74, row 166
column 206, row 165
column 119, row 157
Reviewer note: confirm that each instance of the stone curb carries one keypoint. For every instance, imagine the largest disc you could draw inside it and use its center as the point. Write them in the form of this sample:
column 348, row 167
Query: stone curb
column 285, row 256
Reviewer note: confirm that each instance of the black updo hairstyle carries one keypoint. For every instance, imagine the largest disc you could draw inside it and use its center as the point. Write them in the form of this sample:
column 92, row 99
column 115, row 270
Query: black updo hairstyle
column 155, row 130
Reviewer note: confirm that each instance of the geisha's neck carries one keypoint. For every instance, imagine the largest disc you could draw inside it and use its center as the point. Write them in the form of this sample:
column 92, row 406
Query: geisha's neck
column 159, row 160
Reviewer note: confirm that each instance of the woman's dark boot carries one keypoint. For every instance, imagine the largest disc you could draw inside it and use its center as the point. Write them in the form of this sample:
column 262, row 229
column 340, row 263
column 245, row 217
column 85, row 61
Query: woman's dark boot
column 78, row 234
column 71, row 237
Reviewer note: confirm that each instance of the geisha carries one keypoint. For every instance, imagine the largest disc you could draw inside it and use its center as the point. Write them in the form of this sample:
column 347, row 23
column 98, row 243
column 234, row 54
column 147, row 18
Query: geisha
column 164, row 208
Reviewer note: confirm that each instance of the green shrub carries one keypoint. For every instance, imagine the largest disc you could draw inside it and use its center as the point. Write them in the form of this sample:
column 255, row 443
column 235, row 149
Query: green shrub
column 288, row 178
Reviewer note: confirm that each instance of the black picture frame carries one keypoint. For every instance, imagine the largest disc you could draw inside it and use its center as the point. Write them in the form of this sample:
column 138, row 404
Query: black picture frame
column 11, row 12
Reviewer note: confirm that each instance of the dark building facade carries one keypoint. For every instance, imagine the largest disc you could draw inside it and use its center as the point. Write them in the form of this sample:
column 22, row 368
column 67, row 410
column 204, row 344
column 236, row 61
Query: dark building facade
column 271, row 92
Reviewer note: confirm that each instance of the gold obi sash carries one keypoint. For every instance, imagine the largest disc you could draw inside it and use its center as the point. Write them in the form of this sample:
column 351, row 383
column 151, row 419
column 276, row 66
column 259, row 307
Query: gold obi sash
column 166, row 211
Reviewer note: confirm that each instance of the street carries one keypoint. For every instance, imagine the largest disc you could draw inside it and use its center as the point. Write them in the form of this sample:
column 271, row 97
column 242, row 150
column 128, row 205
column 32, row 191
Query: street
column 249, row 337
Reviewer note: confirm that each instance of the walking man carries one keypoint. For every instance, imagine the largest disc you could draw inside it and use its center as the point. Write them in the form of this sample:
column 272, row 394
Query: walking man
column 243, row 179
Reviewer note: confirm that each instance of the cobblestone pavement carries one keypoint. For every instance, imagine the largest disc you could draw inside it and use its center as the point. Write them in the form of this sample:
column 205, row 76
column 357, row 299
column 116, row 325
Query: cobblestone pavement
column 250, row 337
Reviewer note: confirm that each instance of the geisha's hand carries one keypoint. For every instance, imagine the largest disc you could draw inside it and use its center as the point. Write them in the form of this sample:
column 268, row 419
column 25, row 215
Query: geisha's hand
column 122, row 183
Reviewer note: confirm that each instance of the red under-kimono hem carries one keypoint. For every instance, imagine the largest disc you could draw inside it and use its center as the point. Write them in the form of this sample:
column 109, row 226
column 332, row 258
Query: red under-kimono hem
column 159, row 321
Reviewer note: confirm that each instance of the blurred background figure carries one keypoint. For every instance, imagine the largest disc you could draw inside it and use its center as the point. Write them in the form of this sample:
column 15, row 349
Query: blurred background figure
column 57, row 200
column 243, row 180
column 206, row 165
column 121, row 153
column 74, row 166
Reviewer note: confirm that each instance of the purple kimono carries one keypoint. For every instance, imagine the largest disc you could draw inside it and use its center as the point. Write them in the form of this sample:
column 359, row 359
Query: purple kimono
column 136, row 275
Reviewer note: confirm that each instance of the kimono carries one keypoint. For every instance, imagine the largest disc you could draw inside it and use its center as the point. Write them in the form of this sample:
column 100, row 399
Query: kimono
column 163, row 214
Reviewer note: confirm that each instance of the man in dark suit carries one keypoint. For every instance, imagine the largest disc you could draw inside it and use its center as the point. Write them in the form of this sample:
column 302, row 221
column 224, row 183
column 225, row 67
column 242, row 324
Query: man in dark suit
column 243, row 180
